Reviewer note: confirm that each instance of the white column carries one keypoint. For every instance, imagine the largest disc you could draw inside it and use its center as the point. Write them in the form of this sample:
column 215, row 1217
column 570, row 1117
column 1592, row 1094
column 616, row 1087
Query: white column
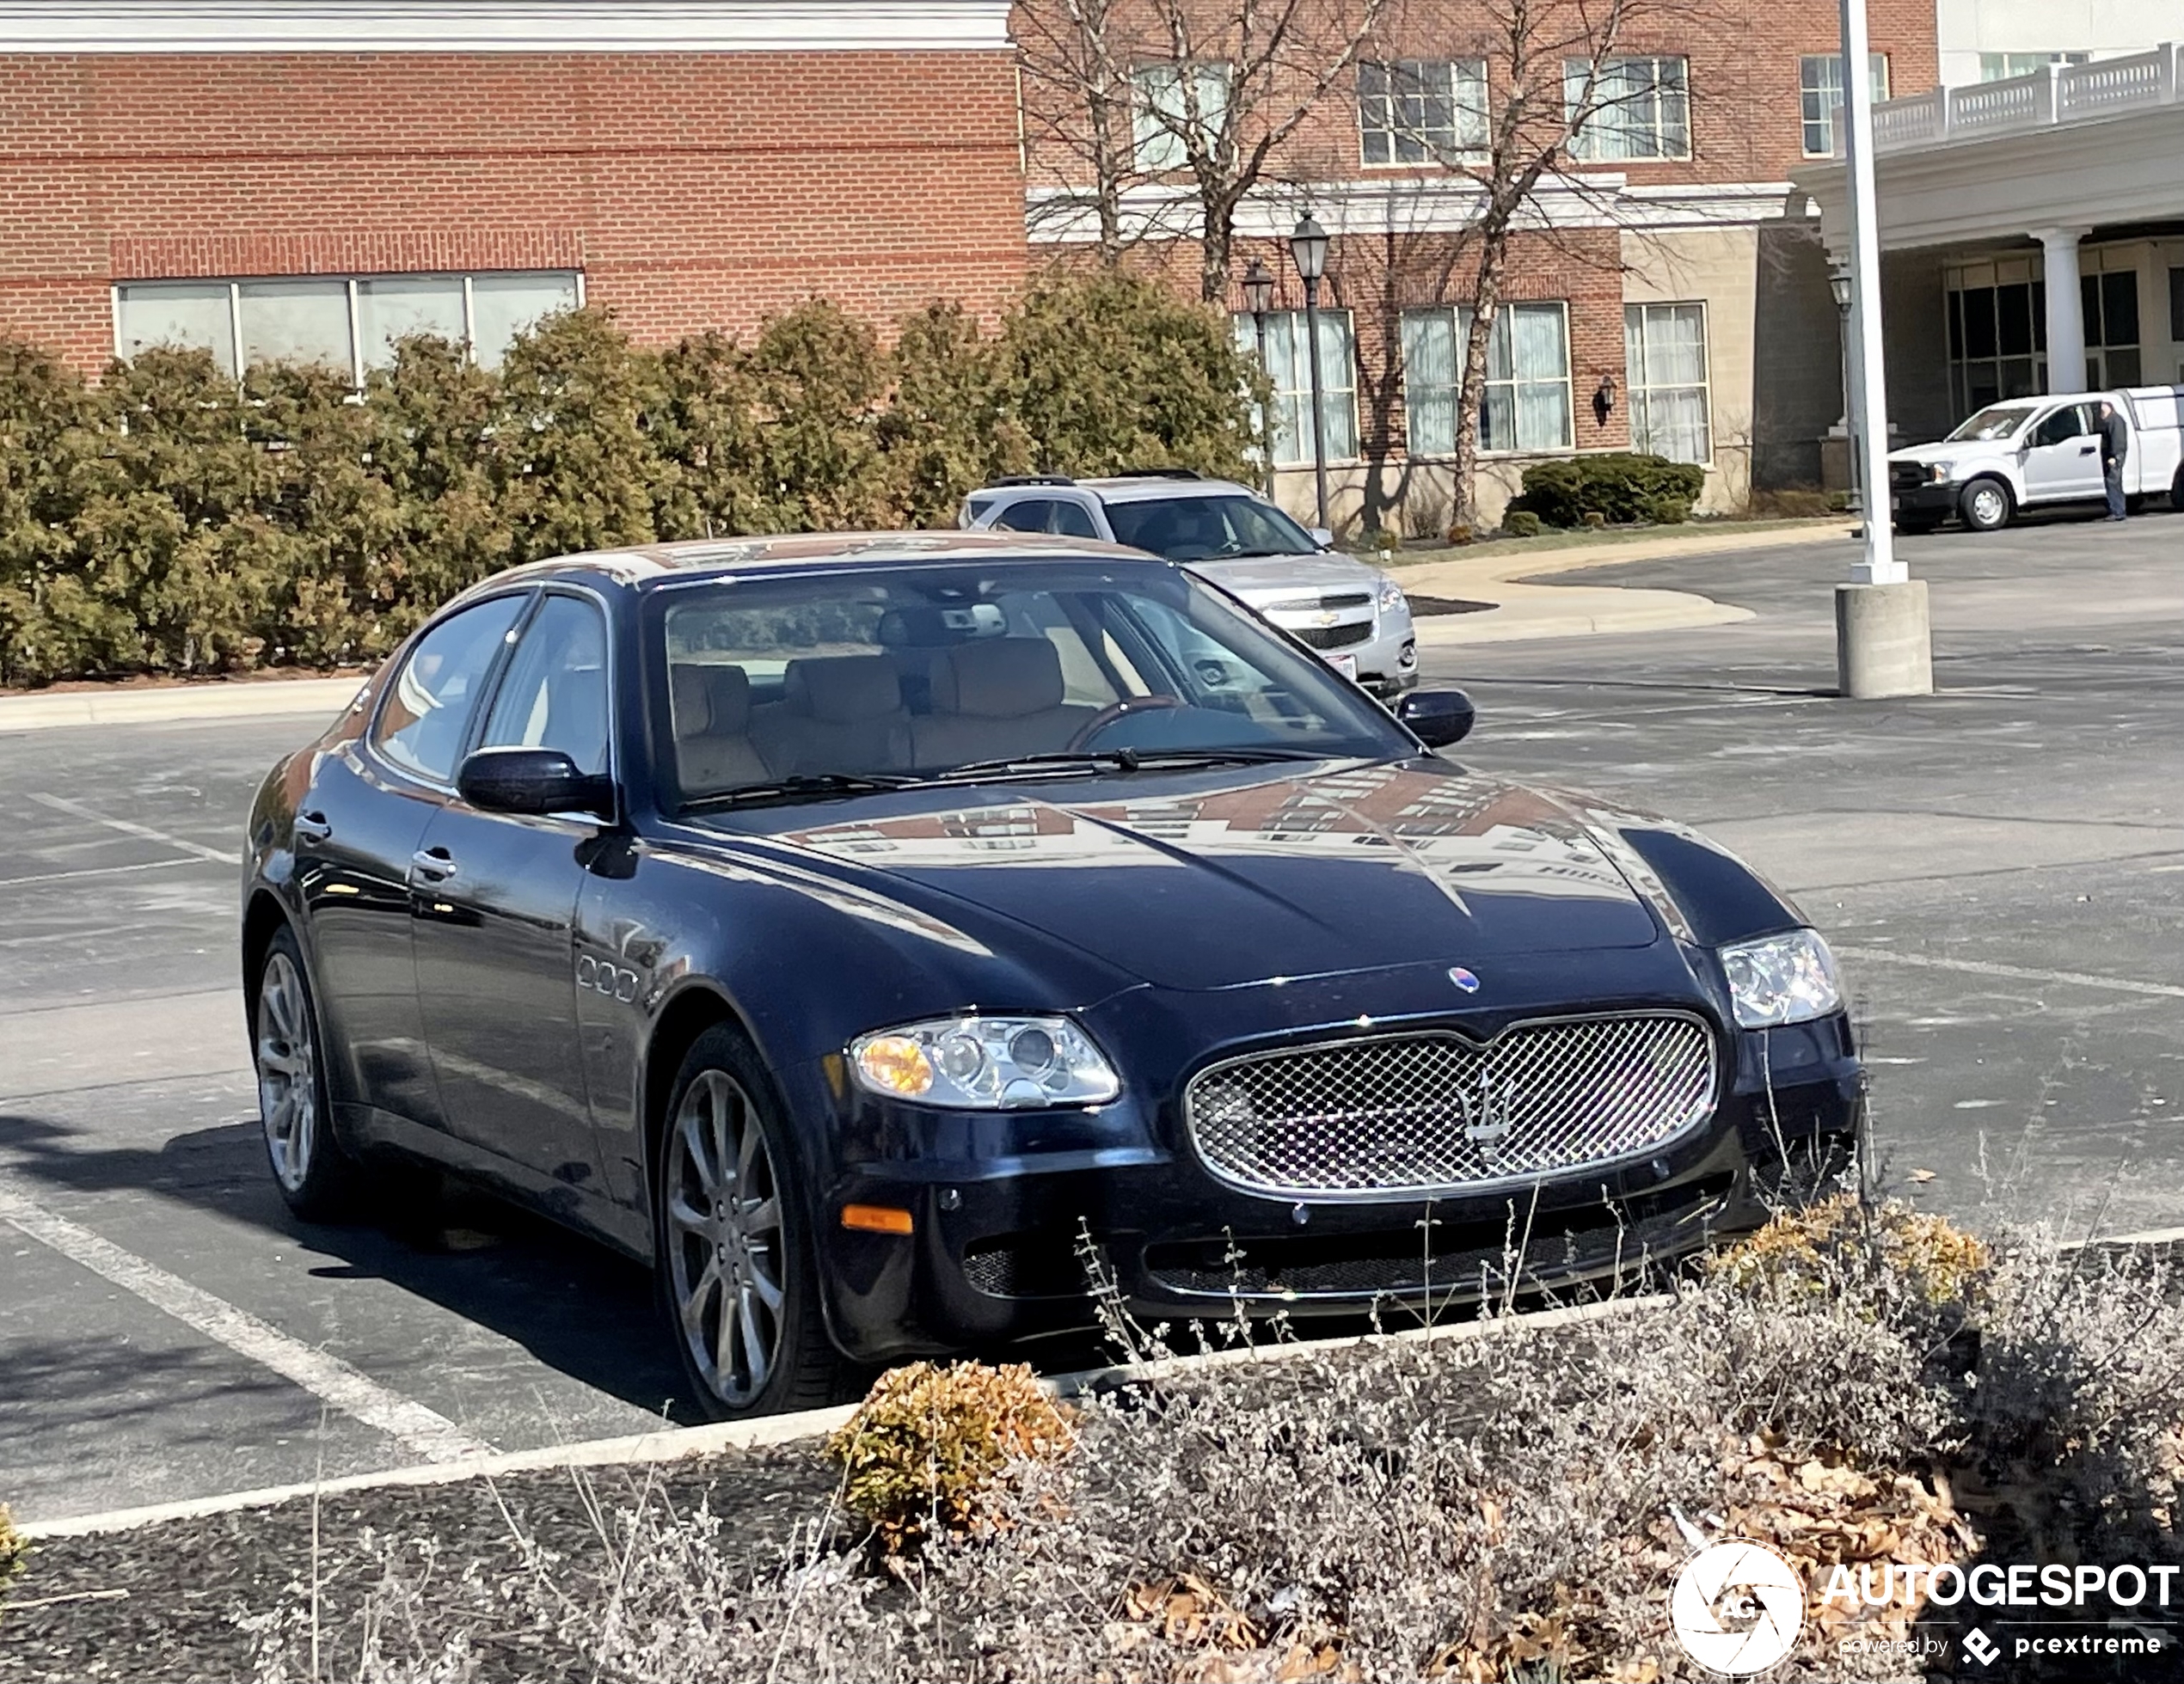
column 2065, row 309
column 1868, row 377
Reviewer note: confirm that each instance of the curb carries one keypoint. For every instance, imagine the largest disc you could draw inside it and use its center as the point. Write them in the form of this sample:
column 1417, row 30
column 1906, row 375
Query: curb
column 678, row 1443
column 151, row 704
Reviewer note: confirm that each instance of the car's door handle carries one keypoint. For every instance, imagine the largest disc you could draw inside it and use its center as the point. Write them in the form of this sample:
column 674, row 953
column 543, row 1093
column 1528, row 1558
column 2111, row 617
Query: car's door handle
column 311, row 826
column 434, row 865
column 2086, row 450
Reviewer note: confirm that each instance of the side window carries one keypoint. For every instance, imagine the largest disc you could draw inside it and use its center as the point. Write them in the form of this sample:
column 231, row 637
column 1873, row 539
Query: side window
column 555, row 695
column 1072, row 520
column 428, row 706
column 2064, row 425
column 1029, row 514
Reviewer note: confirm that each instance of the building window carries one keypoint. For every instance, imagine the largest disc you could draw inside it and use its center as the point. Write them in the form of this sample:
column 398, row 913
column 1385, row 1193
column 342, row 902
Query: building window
column 1417, row 110
column 1527, row 403
column 2111, row 304
column 1819, row 81
column 1162, row 114
column 350, row 325
column 2000, row 66
column 1638, row 108
column 1289, row 371
column 1998, row 335
column 1664, row 348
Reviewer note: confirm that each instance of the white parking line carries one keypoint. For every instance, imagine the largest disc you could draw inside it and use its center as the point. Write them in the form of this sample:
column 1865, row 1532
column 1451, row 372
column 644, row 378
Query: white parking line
column 130, row 828
column 424, row 1432
column 93, row 871
column 2016, row 973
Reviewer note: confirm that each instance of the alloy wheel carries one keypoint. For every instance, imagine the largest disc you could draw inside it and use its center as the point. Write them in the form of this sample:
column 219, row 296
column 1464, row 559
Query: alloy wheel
column 287, row 1072
column 724, row 1251
column 1987, row 506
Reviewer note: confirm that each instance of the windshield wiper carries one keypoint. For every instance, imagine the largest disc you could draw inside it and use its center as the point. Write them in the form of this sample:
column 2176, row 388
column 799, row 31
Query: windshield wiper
column 805, row 786
column 1120, row 760
column 1262, row 554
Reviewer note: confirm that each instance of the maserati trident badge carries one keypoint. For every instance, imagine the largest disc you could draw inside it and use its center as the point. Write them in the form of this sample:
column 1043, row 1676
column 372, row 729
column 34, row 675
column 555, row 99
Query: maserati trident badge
column 1463, row 979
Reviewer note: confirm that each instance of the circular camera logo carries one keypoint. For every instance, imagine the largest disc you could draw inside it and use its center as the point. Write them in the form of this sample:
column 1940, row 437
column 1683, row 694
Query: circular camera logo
column 1737, row 1608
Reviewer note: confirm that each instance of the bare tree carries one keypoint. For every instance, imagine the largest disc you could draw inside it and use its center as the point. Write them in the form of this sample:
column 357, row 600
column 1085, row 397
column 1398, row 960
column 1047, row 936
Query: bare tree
column 1131, row 91
column 1556, row 90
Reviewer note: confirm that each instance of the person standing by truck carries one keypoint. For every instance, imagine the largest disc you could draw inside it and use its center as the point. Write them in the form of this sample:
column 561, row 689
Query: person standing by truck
column 2115, row 445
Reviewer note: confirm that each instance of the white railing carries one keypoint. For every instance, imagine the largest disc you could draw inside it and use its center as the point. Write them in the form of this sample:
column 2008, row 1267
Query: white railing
column 2050, row 95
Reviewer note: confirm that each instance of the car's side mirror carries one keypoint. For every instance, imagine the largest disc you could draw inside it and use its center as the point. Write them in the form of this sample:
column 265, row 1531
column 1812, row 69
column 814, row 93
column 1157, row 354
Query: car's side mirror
column 1438, row 718
column 1322, row 537
column 532, row 780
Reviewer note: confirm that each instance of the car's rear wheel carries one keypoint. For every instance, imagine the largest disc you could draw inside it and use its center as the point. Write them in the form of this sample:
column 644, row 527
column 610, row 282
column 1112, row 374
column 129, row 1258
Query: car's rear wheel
column 315, row 1175
column 1985, row 505
column 738, row 1276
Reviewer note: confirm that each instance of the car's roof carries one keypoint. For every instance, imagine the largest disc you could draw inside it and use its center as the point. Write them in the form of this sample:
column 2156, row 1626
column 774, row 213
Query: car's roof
column 650, row 564
column 1152, row 488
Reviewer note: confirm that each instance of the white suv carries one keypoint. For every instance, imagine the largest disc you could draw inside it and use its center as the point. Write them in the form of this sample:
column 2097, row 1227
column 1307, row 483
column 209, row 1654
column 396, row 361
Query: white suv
column 1353, row 615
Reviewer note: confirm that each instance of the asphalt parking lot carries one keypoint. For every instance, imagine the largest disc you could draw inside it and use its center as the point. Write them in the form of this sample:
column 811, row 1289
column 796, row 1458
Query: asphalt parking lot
column 2001, row 867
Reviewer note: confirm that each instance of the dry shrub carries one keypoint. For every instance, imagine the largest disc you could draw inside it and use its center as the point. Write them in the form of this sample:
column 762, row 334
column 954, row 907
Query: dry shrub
column 1806, row 1250
column 14, row 1547
column 931, row 1446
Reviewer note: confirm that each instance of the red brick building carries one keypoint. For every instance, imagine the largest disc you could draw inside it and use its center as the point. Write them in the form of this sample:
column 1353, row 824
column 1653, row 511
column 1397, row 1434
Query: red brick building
column 309, row 177
column 1668, row 288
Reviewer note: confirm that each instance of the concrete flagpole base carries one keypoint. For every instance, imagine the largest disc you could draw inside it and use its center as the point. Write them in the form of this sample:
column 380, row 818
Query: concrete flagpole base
column 1883, row 645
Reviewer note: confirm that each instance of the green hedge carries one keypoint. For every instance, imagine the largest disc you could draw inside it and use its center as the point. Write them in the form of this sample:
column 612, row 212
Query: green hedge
column 1622, row 486
column 168, row 518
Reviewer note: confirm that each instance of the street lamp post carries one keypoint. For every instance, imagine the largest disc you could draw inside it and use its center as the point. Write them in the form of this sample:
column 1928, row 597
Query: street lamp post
column 1308, row 250
column 1257, row 298
column 1838, row 282
column 1883, row 639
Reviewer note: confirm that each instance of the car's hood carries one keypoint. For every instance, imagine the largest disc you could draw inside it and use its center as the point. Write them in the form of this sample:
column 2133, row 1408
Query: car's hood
column 1213, row 879
column 1264, row 578
column 1963, row 450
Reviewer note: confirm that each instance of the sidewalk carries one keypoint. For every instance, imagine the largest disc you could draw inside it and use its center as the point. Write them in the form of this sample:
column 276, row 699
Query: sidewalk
column 146, row 704
column 1527, row 611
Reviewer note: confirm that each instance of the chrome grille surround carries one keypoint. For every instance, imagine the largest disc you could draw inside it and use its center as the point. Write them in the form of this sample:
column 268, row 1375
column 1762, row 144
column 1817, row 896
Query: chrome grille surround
column 1431, row 1111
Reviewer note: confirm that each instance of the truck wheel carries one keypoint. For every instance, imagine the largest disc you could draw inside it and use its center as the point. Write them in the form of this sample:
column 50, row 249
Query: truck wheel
column 2176, row 490
column 1985, row 505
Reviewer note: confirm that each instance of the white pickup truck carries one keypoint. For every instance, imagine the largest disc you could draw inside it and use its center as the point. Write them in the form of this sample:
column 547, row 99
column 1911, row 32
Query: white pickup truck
column 2025, row 453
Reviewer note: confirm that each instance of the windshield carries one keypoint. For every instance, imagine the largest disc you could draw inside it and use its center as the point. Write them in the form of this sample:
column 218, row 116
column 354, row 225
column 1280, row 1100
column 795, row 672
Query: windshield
column 1996, row 420
column 901, row 673
column 1208, row 528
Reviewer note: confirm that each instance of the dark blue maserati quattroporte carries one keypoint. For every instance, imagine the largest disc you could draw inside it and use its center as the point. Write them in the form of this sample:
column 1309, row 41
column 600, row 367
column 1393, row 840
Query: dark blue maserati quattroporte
column 851, row 926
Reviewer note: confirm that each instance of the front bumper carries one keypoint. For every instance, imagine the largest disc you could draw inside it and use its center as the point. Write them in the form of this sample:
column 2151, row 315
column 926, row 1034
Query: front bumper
column 1011, row 1212
column 1925, row 498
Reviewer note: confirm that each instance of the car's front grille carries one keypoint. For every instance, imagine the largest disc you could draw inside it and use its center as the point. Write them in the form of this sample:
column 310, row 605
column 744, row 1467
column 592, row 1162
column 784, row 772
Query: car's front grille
column 1430, row 1112
column 1330, row 600
column 1334, row 637
column 1906, row 476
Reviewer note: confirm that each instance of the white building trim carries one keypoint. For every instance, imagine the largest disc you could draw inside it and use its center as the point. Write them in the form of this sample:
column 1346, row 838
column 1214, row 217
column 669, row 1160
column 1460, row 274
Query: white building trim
column 503, row 26
column 1419, row 205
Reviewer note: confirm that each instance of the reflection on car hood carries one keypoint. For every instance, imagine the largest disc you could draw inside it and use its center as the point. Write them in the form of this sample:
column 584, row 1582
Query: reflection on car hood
column 1262, row 578
column 1963, row 450
column 1237, row 879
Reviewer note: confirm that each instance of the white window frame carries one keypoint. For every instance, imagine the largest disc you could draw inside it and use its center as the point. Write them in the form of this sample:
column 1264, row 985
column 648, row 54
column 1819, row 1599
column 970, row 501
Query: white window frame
column 1819, row 95
column 1464, row 89
column 1635, row 379
column 1587, row 140
column 1156, row 147
column 1566, row 381
column 2007, row 66
column 357, row 366
column 1338, row 386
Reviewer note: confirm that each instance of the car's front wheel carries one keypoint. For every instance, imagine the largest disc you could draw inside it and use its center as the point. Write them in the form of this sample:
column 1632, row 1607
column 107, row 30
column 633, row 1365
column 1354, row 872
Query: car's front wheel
column 1985, row 505
column 315, row 1175
column 737, row 1274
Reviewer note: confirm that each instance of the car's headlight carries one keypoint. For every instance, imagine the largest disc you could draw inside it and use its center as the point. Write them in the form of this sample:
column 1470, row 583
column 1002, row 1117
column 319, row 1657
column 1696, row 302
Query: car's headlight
column 1391, row 598
column 985, row 1063
column 1937, row 473
column 1783, row 979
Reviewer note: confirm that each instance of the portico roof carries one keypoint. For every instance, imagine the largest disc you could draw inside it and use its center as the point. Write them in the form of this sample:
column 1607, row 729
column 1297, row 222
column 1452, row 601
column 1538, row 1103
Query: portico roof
column 2074, row 147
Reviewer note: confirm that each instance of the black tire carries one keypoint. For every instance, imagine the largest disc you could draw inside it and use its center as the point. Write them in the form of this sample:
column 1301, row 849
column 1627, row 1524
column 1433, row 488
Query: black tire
column 315, row 1173
column 1984, row 505
column 2176, row 492
column 749, row 1238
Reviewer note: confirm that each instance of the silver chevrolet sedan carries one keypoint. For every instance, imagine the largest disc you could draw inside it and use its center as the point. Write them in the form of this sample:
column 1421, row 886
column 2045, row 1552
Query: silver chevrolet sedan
column 1354, row 615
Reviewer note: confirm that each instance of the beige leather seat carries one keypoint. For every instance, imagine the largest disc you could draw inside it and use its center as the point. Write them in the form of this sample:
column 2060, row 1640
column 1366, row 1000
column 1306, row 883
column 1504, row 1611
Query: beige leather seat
column 837, row 713
column 996, row 698
column 713, row 748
